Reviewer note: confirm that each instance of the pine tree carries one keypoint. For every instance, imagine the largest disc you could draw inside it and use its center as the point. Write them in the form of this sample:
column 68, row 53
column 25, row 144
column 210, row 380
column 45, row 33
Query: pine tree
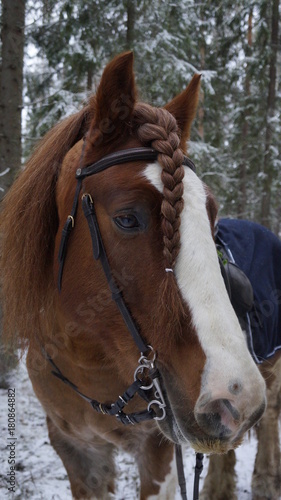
column 228, row 43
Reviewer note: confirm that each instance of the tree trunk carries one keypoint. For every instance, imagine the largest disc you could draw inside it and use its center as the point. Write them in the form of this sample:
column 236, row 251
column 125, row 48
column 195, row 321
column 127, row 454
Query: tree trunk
column 200, row 112
column 90, row 78
column 271, row 99
column 11, row 84
column 242, row 199
column 130, row 24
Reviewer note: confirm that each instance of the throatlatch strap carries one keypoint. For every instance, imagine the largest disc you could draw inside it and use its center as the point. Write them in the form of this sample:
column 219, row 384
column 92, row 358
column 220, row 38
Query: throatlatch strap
column 70, row 221
column 67, row 228
column 99, row 253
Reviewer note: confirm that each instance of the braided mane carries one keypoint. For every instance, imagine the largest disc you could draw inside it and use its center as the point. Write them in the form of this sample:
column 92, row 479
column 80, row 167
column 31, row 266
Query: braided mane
column 157, row 127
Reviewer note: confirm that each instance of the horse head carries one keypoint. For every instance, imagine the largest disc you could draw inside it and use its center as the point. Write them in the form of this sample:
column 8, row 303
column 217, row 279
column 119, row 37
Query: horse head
column 156, row 219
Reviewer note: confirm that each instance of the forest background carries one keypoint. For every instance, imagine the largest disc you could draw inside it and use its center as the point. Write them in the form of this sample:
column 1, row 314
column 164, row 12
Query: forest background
column 53, row 52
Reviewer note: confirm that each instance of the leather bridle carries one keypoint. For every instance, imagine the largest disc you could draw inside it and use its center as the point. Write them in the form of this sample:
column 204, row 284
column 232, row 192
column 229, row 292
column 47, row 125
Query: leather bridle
column 146, row 377
column 113, row 159
column 146, row 368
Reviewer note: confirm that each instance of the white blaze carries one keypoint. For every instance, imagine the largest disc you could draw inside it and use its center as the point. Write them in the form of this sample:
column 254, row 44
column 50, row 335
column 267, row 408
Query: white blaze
column 201, row 284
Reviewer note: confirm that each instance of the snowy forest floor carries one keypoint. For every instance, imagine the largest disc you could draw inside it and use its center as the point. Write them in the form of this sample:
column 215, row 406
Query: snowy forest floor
column 40, row 474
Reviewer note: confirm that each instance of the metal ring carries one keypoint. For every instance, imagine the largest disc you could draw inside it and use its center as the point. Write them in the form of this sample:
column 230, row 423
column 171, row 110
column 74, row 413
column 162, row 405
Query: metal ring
column 146, row 387
column 161, row 406
column 143, row 387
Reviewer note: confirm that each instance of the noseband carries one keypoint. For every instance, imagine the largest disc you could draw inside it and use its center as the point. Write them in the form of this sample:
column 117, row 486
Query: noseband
column 146, row 377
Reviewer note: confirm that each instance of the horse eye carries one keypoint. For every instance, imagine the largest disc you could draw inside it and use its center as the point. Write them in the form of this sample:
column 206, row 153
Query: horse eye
column 127, row 221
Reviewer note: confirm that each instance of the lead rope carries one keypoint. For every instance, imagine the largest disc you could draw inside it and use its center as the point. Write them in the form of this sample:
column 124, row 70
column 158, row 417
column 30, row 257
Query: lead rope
column 180, row 470
column 181, row 476
column 197, row 474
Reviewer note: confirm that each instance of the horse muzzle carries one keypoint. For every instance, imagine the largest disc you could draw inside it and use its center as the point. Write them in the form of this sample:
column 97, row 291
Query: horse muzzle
column 213, row 425
column 221, row 419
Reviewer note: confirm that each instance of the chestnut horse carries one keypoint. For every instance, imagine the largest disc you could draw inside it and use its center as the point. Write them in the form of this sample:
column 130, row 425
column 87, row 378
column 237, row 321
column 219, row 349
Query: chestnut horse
column 128, row 193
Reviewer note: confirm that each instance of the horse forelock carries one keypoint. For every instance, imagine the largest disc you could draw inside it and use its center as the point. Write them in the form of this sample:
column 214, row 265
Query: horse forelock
column 157, row 127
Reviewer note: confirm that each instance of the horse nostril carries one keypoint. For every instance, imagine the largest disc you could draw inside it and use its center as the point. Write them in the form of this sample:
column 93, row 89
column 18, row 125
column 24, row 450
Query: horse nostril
column 235, row 413
column 218, row 418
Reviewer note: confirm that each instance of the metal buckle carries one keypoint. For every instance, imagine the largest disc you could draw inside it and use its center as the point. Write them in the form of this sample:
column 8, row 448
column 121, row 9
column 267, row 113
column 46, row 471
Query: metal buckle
column 87, row 195
column 140, row 370
column 161, row 406
column 149, row 364
column 70, row 217
column 160, row 399
column 145, row 364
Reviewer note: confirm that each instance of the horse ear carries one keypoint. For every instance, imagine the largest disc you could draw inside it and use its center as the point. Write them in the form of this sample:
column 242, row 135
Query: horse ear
column 114, row 100
column 183, row 107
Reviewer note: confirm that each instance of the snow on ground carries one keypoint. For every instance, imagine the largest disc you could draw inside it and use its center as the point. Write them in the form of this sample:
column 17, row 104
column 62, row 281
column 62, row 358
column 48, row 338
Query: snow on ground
column 40, row 474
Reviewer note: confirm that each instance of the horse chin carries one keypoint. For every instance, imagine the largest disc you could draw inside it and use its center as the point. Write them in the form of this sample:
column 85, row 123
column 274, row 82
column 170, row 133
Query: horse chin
column 214, row 446
column 209, row 445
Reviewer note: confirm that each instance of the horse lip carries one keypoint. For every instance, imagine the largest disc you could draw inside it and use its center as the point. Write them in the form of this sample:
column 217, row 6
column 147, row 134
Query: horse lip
column 257, row 415
column 174, row 433
column 205, row 444
column 169, row 426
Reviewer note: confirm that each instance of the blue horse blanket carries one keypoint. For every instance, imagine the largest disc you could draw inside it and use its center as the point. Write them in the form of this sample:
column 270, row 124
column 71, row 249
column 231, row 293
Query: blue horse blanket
column 257, row 251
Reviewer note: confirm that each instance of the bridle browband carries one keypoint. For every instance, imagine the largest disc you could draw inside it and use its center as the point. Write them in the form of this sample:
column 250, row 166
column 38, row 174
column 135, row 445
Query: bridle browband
column 124, row 156
column 146, row 377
